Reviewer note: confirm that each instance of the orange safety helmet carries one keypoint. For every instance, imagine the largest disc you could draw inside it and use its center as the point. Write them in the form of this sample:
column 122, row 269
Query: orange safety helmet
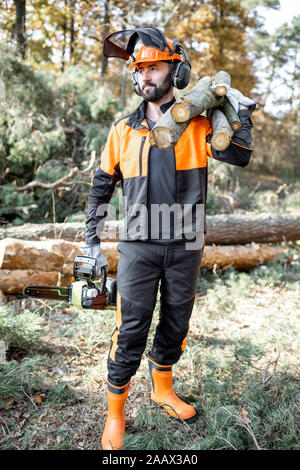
column 151, row 54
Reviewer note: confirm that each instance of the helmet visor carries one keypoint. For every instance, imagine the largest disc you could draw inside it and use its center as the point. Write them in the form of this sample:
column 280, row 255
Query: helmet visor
column 121, row 44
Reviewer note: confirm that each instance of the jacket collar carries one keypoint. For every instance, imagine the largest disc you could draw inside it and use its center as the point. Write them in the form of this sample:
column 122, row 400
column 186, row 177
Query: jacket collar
column 137, row 117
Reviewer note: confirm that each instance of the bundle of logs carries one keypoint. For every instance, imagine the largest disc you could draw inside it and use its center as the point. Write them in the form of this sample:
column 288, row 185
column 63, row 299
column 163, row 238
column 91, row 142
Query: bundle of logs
column 36, row 258
column 204, row 96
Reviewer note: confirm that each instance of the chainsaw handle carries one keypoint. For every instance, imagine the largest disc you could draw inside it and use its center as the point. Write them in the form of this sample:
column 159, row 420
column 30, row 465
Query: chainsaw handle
column 103, row 280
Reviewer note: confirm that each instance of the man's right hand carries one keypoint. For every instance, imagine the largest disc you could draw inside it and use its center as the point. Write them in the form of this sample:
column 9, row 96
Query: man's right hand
column 95, row 252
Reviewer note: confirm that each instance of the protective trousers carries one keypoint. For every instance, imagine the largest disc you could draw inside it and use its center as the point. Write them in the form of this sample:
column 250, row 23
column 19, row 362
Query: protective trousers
column 141, row 266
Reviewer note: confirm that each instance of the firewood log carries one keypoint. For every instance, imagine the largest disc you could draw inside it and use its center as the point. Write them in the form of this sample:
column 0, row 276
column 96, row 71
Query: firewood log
column 222, row 81
column 231, row 115
column 195, row 102
column 222, row 131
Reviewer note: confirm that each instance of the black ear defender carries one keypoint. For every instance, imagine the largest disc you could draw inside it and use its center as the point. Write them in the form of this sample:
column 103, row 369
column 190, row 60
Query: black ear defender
column 182, row 70
column 136, row 86
column 181, row 73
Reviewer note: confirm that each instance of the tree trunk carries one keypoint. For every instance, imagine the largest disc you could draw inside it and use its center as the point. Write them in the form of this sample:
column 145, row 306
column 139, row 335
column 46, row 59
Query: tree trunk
column 239, row 257
column 63, row 62
column 226, row 229
column 222, row 229
column 72, row 29
column 20, row 6
column 104, row 61
column 14, row 281
column 49, row 255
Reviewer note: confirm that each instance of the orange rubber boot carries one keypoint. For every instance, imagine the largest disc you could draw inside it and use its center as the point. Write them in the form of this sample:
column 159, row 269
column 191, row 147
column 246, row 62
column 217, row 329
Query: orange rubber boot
column 162, row 393
column 114, row 429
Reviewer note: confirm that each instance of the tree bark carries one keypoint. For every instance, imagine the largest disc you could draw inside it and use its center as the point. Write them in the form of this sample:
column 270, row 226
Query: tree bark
column 20, row 6
column 231, row 115
column 14, row 281
column 222, row 229
column 239, row 257
column 49, row 255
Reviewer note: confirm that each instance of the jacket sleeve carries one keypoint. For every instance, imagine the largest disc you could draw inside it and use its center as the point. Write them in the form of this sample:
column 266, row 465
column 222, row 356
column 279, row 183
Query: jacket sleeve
column 104, row 183
column 240, row 149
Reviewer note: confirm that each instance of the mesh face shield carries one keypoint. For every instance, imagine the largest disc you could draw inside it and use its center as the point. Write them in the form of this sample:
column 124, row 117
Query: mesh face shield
column 121, row 44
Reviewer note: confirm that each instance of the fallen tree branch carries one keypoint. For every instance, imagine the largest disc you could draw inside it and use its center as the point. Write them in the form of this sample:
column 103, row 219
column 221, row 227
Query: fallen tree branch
column 63, row 180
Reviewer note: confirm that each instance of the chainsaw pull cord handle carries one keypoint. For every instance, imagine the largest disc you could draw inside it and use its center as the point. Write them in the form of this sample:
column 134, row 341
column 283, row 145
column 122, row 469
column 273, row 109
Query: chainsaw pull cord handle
column 103, row 280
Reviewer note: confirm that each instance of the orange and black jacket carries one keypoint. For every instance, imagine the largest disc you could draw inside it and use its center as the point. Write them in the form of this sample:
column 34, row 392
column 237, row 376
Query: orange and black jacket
column 125, row 159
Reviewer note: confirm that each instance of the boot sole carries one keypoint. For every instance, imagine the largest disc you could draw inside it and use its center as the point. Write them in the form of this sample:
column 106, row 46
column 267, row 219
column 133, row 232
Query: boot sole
column 190, row 420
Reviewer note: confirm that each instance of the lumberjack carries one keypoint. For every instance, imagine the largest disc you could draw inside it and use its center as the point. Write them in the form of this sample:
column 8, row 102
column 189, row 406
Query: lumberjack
column 170, row 168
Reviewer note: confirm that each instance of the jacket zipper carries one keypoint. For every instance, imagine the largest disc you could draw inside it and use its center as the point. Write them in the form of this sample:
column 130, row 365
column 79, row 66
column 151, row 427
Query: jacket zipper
column 141, row 154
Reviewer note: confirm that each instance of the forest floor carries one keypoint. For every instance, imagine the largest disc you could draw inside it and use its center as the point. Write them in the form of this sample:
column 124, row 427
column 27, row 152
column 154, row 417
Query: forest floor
column 239, row 369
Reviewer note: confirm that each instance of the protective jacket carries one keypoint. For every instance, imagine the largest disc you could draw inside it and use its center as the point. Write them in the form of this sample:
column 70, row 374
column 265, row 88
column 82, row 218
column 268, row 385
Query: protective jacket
column 125, row 159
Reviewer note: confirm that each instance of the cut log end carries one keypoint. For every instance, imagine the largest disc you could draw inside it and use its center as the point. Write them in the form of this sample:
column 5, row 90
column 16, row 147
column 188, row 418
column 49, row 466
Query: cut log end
column 162, row 137
column 180, row 112
column 221, row 90
column 221, row 140
column 235, row 125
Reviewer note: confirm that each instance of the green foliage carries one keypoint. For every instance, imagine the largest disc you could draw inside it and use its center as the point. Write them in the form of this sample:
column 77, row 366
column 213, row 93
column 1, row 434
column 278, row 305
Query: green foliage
column 19, row 378
column 49, row 123
column 23, row 86
column 21, row 329
column 62, row 393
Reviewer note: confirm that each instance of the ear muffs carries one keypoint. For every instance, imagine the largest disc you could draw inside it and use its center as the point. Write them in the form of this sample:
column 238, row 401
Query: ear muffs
column 136, row 85
column 182, row 70
column 181, row 75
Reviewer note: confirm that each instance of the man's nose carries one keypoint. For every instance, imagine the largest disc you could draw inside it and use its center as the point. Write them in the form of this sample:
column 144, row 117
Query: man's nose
column 147, row 76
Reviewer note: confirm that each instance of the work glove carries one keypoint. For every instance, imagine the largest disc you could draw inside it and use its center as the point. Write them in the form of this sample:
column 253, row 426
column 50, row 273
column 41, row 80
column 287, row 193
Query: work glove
column 94, row 251
column 237, row 99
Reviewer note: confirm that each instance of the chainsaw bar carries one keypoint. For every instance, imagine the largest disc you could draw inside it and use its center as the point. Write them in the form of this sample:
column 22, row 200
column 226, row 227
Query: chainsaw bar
column 46, row 292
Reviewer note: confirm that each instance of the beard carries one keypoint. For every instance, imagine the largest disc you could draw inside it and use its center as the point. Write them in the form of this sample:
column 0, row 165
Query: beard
column 155, row 92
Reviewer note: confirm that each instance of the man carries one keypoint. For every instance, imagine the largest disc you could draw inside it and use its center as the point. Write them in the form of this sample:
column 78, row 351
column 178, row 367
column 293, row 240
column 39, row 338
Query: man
column 152, row 255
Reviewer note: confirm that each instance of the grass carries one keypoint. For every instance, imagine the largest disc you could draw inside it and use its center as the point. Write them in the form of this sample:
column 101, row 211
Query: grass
column 240, row 370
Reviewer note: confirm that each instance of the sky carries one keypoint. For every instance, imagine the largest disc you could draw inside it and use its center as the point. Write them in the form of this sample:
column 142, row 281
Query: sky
column 274, row 18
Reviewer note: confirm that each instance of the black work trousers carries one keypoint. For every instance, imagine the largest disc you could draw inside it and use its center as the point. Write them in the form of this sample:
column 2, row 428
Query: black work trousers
column 142, row 265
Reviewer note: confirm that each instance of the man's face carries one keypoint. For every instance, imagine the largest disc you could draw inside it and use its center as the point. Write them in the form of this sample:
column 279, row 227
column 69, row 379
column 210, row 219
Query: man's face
column 155, row 80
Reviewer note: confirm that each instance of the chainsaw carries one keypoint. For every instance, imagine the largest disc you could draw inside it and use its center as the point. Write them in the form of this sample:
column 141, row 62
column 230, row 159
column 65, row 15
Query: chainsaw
column 85, row 292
